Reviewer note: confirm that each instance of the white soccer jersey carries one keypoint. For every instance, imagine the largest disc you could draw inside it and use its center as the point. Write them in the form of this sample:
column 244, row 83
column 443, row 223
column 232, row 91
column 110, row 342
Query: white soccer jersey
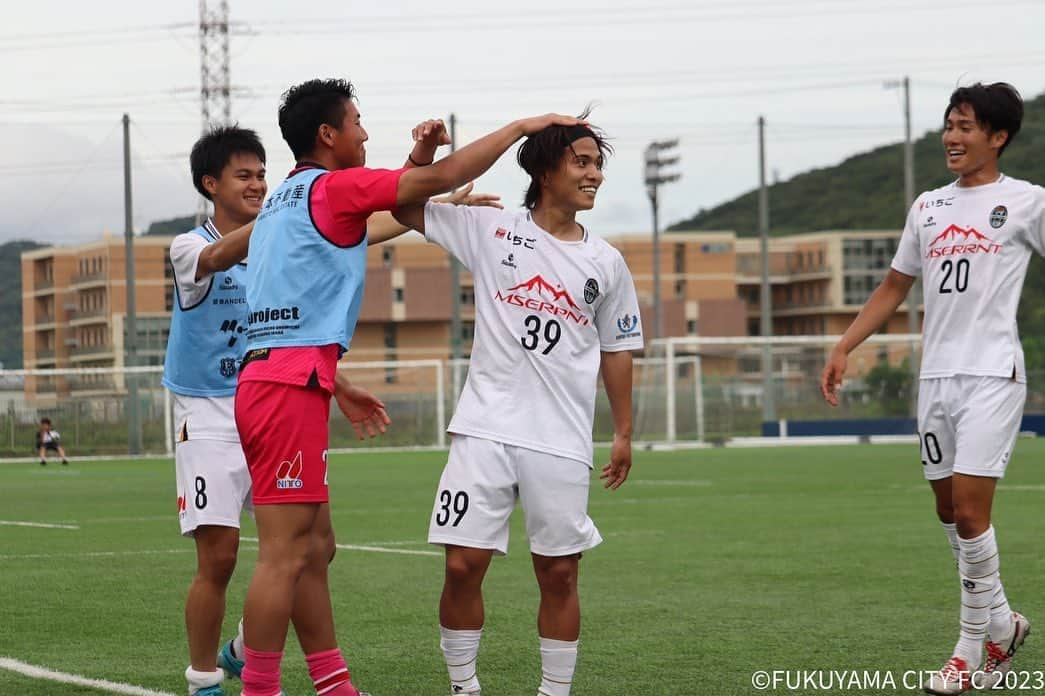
column 972, row 246
column 544, row 310
column 198, row 417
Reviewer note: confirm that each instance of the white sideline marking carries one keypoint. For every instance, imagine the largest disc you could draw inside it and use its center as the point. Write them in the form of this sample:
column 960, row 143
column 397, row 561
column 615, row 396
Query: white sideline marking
column 88, row 554
column 659, row 482
column 35, row 672
column 1020, row 487
column 16, row 523
column 376, row 549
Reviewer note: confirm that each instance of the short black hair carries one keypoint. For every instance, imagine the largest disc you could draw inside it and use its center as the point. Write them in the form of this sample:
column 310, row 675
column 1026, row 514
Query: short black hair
column 997, row 107
column 543, row 151
column 213, row 151
column 46, row 421
column 304, row 108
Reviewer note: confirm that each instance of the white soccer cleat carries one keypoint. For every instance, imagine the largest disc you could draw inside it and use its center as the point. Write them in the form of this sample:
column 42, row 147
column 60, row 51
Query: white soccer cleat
column 951, row 679
column 999, row 655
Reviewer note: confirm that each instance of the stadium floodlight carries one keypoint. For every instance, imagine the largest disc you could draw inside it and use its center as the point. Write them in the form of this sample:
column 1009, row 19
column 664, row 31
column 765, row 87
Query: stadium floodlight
column 656, row 164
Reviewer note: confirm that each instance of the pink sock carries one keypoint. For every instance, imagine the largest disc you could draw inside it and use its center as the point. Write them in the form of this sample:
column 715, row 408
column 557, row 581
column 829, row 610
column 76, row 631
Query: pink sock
column 330, row 674
column 261, row 673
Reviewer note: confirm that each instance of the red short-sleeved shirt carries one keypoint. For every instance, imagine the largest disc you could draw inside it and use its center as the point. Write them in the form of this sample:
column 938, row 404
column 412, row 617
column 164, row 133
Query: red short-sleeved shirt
column 340, row 203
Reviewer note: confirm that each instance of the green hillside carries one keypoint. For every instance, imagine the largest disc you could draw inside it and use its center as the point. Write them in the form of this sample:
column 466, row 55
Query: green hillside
column 866, row 190
column 11, row 301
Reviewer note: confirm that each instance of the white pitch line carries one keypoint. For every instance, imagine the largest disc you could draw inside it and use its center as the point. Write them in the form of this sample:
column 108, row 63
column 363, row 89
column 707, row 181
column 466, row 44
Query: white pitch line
column 34, row 672
column 89, row 554
column 664, row 482
column 375, row 549
column 16, row 523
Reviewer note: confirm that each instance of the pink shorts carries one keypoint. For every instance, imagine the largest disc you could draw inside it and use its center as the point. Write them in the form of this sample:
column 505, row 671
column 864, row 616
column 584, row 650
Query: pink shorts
column 284, row 432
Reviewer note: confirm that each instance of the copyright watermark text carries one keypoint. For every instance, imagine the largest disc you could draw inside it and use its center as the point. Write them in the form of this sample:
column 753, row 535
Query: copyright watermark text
column 866, row 680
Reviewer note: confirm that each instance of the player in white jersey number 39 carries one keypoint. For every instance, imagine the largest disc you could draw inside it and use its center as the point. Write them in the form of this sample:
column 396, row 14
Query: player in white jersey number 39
column 971, row 242
column 554, row 306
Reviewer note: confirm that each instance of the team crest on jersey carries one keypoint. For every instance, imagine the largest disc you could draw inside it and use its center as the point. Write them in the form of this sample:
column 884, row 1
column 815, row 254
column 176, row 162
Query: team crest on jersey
column 509, row 261
column 591, row 290
column 228, row 367
column 998, row 216
column 628, row 326
column 627, row 323
column 288, row 474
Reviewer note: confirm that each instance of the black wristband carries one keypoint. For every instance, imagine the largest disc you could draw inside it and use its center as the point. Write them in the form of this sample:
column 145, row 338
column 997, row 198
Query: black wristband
column 416, row 163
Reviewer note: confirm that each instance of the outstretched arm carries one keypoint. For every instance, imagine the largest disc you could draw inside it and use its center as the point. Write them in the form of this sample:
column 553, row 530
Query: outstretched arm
column 616, row 376
column 879, row 307
column 384, row 226
column 224, row 253
column 418, row 184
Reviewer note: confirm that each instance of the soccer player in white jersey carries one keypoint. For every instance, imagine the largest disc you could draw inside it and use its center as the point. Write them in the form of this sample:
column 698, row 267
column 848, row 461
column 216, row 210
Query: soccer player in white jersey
column 971, row 242
column 554, row 306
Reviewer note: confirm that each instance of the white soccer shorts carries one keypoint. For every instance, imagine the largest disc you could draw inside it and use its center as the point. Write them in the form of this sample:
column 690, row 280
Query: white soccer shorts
column 967, row 424
column 213, row 484
column 481, row 483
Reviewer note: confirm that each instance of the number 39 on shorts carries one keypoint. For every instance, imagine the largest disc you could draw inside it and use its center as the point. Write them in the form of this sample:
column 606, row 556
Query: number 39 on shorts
column 451, row 504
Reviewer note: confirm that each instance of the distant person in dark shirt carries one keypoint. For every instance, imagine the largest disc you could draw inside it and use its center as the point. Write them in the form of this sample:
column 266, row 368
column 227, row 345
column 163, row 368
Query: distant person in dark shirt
column 48, row 440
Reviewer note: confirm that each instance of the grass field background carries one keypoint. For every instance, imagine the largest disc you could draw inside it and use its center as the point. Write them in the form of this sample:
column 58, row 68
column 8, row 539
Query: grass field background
column 716, row 563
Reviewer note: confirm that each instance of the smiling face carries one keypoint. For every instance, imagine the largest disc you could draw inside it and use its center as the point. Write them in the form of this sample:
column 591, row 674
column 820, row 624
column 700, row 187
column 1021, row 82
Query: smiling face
column 240, row 188
column 970, row 147
column 575, row 183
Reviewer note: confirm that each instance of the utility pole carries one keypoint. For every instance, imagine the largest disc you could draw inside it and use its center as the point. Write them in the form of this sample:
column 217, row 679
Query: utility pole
column 766, row 297
column 913, row 323
column 655, row 176
column 455, row 285
column 215, row 90
column 456, row 350
column 134, row 431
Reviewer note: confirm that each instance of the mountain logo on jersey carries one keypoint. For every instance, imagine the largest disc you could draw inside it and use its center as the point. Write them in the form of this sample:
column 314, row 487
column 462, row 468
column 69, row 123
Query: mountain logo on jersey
column 958, row 241
column 998, row 216
column 538, row 295
column 288, row 474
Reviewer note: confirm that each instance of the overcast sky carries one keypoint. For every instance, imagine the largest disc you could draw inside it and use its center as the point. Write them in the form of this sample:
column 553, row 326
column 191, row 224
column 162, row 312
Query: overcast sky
column 698, row 70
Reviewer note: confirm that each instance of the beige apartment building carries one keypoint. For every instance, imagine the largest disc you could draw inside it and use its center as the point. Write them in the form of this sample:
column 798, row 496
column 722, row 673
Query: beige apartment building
column 74, row 298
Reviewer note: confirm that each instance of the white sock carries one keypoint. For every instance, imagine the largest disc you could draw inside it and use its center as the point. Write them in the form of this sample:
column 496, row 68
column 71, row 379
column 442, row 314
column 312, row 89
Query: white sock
column 951, row 529
column 201, row 680
column 978, row 572
column 461, row 652
column 1001, row 615
column 558, row 661
column 237, row 644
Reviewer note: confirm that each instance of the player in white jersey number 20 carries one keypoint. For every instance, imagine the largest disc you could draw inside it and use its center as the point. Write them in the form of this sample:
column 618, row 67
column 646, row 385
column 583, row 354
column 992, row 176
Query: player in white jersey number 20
column 971, row 242
column 553, row 306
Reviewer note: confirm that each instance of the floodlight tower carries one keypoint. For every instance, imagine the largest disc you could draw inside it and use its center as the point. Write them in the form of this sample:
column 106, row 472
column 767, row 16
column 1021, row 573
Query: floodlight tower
column 655, row 176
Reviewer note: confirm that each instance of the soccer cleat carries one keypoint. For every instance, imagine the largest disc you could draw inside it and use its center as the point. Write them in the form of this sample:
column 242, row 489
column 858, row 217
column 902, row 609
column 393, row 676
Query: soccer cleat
column 999, row 655
column 951, row 679
column 215, row 690
column 229, row 662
